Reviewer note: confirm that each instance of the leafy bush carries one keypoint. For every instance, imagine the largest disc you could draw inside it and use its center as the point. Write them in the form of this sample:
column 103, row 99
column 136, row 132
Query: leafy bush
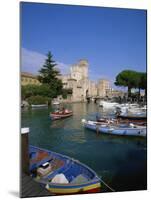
column 38, row 100
column 34, row 90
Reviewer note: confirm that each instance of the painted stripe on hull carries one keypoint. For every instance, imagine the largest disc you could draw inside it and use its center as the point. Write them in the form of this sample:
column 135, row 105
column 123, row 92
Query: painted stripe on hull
column 87, row 189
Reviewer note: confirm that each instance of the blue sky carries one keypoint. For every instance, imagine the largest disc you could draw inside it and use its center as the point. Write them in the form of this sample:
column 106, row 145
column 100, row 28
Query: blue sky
column 110, row 39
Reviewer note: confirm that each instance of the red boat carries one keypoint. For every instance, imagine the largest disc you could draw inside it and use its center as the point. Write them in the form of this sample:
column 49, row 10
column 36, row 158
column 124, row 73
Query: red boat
column 60, row 114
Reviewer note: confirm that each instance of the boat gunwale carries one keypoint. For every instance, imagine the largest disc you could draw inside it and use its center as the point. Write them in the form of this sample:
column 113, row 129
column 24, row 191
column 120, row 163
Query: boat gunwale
column 61, row 115
column 115, row 127
column 95, row 180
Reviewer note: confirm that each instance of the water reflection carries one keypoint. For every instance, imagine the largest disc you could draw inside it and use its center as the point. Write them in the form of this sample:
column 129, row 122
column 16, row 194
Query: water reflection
column 118, row 160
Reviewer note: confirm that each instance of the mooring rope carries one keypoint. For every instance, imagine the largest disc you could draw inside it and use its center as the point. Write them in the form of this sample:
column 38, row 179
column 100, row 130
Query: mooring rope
column 107, row 186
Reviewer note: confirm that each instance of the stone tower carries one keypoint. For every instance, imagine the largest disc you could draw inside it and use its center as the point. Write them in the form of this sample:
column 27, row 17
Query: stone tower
column 79, row 71
column 83, row 65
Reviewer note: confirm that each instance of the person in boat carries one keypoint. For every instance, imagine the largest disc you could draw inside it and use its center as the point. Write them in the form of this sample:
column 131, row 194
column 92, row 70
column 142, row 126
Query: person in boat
column 118, row 112
column 66, row 110
column 63, row 110
column 97, row 117
column 57, row 110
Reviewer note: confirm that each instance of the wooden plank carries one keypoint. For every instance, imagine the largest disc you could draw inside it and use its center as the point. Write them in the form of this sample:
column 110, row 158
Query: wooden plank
column 30, row 188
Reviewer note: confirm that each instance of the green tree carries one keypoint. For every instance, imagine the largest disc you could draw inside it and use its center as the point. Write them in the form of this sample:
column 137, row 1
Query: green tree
column 38, row 100
column 48, row 74
column 127, row 78
column 66, row 92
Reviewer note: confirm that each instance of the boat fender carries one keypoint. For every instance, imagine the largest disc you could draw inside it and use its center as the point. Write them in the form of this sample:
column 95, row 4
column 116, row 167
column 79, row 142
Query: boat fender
column 47, row 186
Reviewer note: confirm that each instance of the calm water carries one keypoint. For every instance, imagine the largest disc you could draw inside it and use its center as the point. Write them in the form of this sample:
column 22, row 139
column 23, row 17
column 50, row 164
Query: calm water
column 120, row 161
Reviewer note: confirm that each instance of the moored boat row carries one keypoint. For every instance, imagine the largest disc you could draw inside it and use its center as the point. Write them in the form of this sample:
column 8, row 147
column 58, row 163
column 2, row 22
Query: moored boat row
column 61, row 174
column 116, row 129
column 125, row 122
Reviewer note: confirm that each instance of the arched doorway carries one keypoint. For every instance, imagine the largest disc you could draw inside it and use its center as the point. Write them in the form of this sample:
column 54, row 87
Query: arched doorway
column 87, row 93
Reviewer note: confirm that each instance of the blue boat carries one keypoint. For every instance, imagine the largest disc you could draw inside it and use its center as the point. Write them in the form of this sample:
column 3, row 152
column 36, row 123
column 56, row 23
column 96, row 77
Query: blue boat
column 61, row 174
column 116, row 129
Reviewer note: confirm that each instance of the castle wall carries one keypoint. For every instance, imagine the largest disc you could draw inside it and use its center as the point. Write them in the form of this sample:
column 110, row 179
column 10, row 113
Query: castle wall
column 80, row 84
column 103, row 86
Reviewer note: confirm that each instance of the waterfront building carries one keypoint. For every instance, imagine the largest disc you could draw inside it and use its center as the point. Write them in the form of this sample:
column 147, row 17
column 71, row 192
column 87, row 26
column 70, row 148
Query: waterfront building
column 78, row 81
column 29, row 79
column 114, row 93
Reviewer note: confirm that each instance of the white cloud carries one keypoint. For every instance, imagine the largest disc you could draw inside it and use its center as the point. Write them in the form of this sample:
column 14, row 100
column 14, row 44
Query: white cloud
column 32, row 61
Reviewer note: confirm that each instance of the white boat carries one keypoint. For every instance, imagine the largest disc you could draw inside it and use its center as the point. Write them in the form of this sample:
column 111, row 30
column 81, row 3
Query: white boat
column 121, row 129
column 106, row 104
column 39, row 105
column 130, row 109
column 56, row 103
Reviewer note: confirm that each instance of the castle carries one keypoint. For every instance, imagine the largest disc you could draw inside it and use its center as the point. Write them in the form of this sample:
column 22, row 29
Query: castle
column 78, row 81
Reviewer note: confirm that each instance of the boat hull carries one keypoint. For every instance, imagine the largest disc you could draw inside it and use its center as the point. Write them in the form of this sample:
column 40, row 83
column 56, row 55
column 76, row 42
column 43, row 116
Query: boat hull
column 54, row 116
column 141, row 131
column 93, row 188
column 132, row 117
column 39, row 106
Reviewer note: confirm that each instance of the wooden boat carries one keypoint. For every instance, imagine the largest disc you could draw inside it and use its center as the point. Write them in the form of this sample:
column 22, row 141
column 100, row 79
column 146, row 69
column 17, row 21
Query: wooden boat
column 123, row 121
column 60, row 115
column 61, row 174
column 39, row 105
column 119, row 129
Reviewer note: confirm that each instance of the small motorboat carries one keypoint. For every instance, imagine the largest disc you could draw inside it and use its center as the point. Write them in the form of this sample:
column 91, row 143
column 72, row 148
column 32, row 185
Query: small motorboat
column 131, row 108
column 108, row 105
column 60, row 174
column 118, row 129
column 60, row 114
column 133, row 116
column 39, row 105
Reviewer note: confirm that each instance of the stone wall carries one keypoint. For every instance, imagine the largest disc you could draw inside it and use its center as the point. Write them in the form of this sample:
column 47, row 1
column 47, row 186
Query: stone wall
column 103, row 86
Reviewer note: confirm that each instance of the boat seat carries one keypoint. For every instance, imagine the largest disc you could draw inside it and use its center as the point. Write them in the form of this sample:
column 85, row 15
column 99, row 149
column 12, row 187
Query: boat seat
column 43, row 171
column 79, row 179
